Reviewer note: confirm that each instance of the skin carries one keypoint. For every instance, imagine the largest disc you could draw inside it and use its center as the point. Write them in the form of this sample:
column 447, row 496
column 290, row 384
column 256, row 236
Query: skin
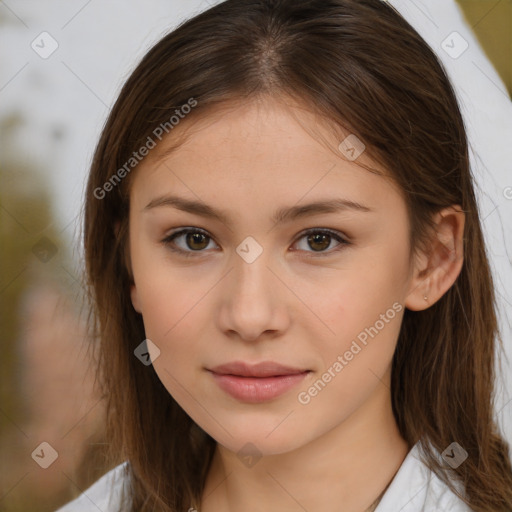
column 296, row 307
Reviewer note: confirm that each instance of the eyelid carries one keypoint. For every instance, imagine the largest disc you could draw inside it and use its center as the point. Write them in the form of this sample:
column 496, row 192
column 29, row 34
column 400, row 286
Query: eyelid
column 341, row 238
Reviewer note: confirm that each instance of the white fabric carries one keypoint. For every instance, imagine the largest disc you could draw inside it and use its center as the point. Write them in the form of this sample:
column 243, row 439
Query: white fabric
column 103, row 495
column 413, row 489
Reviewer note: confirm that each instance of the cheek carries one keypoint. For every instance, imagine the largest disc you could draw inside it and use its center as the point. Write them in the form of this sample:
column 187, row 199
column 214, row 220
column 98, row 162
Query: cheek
column 364, row 304
column 356, row 358
column 172, row 321
column 174, row 312
column 163, row 293
column 170, row 309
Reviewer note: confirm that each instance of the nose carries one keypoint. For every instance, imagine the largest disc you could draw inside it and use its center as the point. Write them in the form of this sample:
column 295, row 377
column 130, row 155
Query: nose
column 253, row 300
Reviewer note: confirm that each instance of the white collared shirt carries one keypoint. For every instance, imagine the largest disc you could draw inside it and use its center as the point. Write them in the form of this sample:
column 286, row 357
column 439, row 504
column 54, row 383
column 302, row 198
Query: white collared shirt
column 414, row 488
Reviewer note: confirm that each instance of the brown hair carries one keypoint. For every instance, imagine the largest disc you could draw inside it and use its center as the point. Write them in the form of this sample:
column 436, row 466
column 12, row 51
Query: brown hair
column 360, row 65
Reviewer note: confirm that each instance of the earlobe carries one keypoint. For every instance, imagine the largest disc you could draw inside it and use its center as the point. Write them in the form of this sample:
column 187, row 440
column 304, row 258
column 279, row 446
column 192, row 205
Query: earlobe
column 135, row 298
column 436, row 272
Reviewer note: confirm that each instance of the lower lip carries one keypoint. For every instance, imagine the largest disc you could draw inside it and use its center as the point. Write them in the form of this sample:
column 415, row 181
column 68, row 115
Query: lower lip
column 257, row 389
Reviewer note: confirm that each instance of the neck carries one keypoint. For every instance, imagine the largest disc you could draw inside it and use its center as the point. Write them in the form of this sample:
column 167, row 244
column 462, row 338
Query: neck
column 346, row 469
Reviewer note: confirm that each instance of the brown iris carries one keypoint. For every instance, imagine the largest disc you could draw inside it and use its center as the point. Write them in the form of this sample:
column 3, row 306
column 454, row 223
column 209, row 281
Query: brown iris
column 321, row 239
column 199, row 238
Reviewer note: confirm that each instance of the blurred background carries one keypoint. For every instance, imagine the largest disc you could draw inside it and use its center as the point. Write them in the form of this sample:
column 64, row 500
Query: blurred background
column 62, row 64
column 491, row 22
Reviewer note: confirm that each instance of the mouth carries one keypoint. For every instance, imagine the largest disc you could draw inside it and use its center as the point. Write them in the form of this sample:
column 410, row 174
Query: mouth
column 263, row 369
column 257, row 383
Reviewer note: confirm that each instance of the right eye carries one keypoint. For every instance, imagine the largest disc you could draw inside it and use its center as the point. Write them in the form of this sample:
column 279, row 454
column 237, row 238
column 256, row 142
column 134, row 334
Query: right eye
column 194, row 240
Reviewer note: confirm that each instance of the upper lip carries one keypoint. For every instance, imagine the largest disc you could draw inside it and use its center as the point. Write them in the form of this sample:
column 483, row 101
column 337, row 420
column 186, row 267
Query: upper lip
column 263, row 369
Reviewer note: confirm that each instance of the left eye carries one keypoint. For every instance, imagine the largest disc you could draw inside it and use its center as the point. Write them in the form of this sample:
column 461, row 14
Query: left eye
column 322, row 240
column 196, row 240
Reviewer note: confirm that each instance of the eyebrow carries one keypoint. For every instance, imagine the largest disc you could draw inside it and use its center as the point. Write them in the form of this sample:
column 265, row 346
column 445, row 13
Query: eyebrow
column 286, row 214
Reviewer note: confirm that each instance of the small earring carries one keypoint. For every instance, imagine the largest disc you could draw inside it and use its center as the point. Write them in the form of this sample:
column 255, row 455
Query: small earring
column 425, row 297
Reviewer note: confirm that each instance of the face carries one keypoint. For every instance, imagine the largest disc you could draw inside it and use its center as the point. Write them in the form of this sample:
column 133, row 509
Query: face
column 320, row 292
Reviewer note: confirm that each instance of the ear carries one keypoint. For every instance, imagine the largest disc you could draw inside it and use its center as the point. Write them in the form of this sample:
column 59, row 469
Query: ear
column 135, row 298
column 435, row 271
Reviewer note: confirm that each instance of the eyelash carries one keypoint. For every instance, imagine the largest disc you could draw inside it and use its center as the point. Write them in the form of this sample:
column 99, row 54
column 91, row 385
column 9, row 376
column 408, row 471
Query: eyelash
column 168, row 241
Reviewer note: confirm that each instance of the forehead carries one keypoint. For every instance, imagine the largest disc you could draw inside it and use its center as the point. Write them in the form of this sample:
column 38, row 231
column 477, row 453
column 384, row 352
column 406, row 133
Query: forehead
column 260, row 147
column 278, row 124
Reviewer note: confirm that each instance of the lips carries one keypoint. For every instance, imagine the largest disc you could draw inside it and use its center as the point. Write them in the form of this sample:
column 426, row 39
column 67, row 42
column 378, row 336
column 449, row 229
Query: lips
column 263, row 369
column 258, row 382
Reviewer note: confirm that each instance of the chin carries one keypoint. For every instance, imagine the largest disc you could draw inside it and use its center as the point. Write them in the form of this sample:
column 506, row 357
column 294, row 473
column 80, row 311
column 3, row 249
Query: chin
column 271, row 437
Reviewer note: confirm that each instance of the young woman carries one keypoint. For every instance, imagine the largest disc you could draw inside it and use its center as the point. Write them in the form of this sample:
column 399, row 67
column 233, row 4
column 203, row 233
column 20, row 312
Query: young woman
column 292, row 296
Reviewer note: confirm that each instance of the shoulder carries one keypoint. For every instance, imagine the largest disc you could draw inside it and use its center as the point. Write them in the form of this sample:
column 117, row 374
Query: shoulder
column 104, row 494
column 415, row 488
